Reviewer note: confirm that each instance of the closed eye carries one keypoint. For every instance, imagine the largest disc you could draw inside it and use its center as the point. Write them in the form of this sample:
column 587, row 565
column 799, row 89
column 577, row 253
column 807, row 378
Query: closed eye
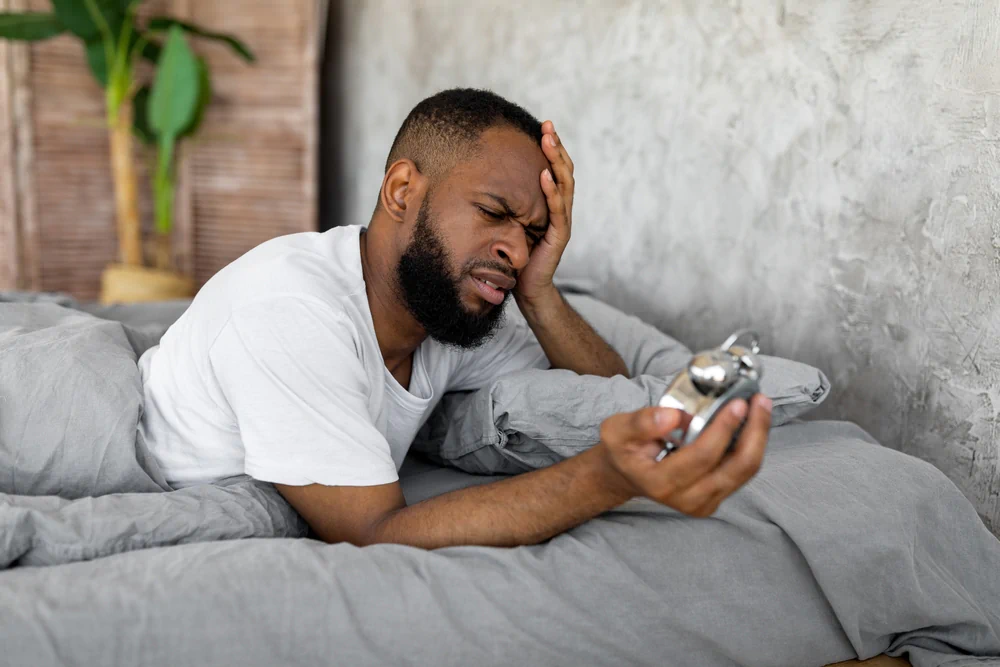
column 534, row 238
column 492, row 214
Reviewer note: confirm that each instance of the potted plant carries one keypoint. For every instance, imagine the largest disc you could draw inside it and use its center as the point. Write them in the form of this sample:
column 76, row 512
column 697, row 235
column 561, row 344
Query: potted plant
column 161, row 115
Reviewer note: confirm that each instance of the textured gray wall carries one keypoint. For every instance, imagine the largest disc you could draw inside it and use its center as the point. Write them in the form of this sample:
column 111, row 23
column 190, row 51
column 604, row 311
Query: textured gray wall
column 826, row 170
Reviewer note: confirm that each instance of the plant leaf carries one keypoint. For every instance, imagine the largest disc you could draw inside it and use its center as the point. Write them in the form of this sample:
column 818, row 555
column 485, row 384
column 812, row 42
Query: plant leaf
column 97, row 56
column 75, row 15
column 97, row 59
column 29, row 26
column 174, row 100
column 151, row 50
column 204, row 97
column 165, row 23
column 140, row 117
column 123, row 5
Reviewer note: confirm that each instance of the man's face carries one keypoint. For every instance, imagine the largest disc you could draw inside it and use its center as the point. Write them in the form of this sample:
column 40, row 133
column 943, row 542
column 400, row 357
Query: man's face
column 467, row 249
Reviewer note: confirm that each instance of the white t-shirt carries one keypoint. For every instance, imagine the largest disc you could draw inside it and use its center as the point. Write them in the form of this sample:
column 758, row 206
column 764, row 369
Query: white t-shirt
column 275, row 371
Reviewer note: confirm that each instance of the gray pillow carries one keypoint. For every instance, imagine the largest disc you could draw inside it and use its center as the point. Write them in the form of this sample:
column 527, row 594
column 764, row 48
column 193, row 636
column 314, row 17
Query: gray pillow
column 794, row 387
column 70, row 401
column 645, row 349
column 144, row 323
column 533, row 418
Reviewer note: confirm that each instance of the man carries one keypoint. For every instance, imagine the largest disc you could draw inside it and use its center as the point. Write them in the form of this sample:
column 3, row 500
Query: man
column 312, row 361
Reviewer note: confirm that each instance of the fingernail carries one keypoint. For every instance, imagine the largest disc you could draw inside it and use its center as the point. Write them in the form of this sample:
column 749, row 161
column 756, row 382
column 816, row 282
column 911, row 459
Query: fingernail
column 738, row 409
column 660, row 416
column 552, row 140
column 766, row 403
column 548, row 175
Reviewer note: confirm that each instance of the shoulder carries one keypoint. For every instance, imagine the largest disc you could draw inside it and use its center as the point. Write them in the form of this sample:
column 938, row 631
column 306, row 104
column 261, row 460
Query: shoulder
column 293, row 280
column 325, row 266
column 294, row 320
column 293, row 344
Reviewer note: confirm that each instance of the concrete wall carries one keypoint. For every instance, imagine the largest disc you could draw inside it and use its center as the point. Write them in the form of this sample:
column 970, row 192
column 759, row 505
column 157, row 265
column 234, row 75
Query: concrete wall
column 826, row 170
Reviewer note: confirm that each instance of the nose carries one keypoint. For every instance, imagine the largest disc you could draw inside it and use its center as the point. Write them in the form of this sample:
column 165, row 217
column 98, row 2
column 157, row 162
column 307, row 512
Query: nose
column 511, row 247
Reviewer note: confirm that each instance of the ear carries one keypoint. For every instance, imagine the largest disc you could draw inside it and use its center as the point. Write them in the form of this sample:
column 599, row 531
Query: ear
column 402, row 186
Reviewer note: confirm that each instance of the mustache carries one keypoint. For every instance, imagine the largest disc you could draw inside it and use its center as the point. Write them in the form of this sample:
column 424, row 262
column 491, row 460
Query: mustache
column 492, row 266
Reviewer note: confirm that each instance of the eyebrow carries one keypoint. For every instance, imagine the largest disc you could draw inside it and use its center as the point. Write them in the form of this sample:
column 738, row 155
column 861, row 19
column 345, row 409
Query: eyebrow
column 513, row 214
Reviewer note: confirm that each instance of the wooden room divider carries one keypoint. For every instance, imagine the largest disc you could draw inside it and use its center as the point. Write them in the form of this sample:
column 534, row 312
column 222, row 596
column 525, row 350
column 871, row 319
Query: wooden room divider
column 249, row 175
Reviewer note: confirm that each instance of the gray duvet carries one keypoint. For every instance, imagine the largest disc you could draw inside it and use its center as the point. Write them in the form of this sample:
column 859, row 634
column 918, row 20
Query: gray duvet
column 838, row 548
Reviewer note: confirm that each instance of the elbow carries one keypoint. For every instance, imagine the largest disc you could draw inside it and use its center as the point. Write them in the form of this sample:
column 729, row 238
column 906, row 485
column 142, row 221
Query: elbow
column 374, row 532
column 607, row 371
column 362, row 540
column 328, row 536
column 359, row 536
column 619, row 368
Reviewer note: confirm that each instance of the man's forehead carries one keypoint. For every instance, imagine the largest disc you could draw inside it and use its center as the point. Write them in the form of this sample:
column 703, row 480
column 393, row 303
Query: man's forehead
column 507, row 164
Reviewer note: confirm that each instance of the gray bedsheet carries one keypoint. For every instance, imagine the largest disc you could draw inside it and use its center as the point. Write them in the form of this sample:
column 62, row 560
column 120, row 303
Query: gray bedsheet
column 838, row 547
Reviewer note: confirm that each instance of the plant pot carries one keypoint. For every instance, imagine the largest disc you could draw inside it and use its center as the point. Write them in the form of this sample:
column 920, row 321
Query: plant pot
column 125, row 283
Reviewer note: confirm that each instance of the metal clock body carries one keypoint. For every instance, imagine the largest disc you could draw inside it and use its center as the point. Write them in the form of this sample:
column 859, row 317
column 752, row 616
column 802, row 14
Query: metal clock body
column 712, row 379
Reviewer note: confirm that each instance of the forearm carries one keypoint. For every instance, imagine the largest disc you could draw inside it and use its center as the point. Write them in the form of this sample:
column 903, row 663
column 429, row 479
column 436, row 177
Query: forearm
column 569, row 342
column 526, row 509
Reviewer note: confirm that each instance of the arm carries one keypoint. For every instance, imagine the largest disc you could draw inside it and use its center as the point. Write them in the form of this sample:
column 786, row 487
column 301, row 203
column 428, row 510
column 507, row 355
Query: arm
column 569, row 342
column 525, row 509
column 288, row 369
column 535, row 506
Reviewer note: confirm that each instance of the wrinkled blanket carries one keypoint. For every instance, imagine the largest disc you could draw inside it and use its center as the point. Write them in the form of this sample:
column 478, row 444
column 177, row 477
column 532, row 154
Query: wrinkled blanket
column 838, row 548
column 75, row 481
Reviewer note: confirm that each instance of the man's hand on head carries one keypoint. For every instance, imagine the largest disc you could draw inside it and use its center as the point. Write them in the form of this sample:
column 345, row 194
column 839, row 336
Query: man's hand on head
column 569, row 342
column 534, row 285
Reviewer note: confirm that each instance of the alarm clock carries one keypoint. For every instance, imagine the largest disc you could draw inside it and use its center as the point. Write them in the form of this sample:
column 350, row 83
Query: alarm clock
column 711, row 380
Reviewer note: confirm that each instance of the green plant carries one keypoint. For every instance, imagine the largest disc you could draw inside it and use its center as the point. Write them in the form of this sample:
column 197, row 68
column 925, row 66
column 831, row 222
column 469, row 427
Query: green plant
column 171, row 110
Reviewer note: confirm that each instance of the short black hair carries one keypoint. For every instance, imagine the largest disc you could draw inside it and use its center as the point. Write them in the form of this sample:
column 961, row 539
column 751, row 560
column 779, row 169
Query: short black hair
column 444, row 128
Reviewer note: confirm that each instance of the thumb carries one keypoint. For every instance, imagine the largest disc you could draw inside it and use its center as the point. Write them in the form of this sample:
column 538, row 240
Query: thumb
column 652, row 423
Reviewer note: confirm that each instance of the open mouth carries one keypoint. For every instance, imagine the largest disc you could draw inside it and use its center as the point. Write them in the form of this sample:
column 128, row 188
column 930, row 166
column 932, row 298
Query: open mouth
column 489, row 291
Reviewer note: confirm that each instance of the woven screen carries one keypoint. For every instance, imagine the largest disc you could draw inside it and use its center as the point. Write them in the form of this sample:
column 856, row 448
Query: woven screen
column 249, row 175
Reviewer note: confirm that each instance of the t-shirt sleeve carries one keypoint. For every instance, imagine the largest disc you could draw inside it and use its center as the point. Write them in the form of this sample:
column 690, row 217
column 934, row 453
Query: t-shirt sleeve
column 514, row 347
column 292, row 375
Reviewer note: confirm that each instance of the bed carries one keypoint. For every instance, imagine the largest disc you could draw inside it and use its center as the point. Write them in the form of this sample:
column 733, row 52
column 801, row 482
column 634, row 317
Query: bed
column 838, row 549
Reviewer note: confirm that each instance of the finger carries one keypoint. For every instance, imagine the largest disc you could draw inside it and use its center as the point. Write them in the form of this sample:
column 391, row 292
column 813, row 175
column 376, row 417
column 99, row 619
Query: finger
column 553, row 196
column 563, row 152
column 556, row 202
column 647, row 450
column 748, row 454
column 641, row 426
column 639, row 465
column 708, row 508
column 689, row 464
column 556, row 156
column 735, row 470
column 548, row 127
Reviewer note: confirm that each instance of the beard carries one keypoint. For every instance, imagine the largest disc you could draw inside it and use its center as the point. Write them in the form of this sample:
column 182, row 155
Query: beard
column 432, row 292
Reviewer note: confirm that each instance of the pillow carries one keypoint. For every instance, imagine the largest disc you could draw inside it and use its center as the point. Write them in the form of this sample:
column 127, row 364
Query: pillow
column 70, row 401
column 794, row 387
column 533, row 418
column 144, row 323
